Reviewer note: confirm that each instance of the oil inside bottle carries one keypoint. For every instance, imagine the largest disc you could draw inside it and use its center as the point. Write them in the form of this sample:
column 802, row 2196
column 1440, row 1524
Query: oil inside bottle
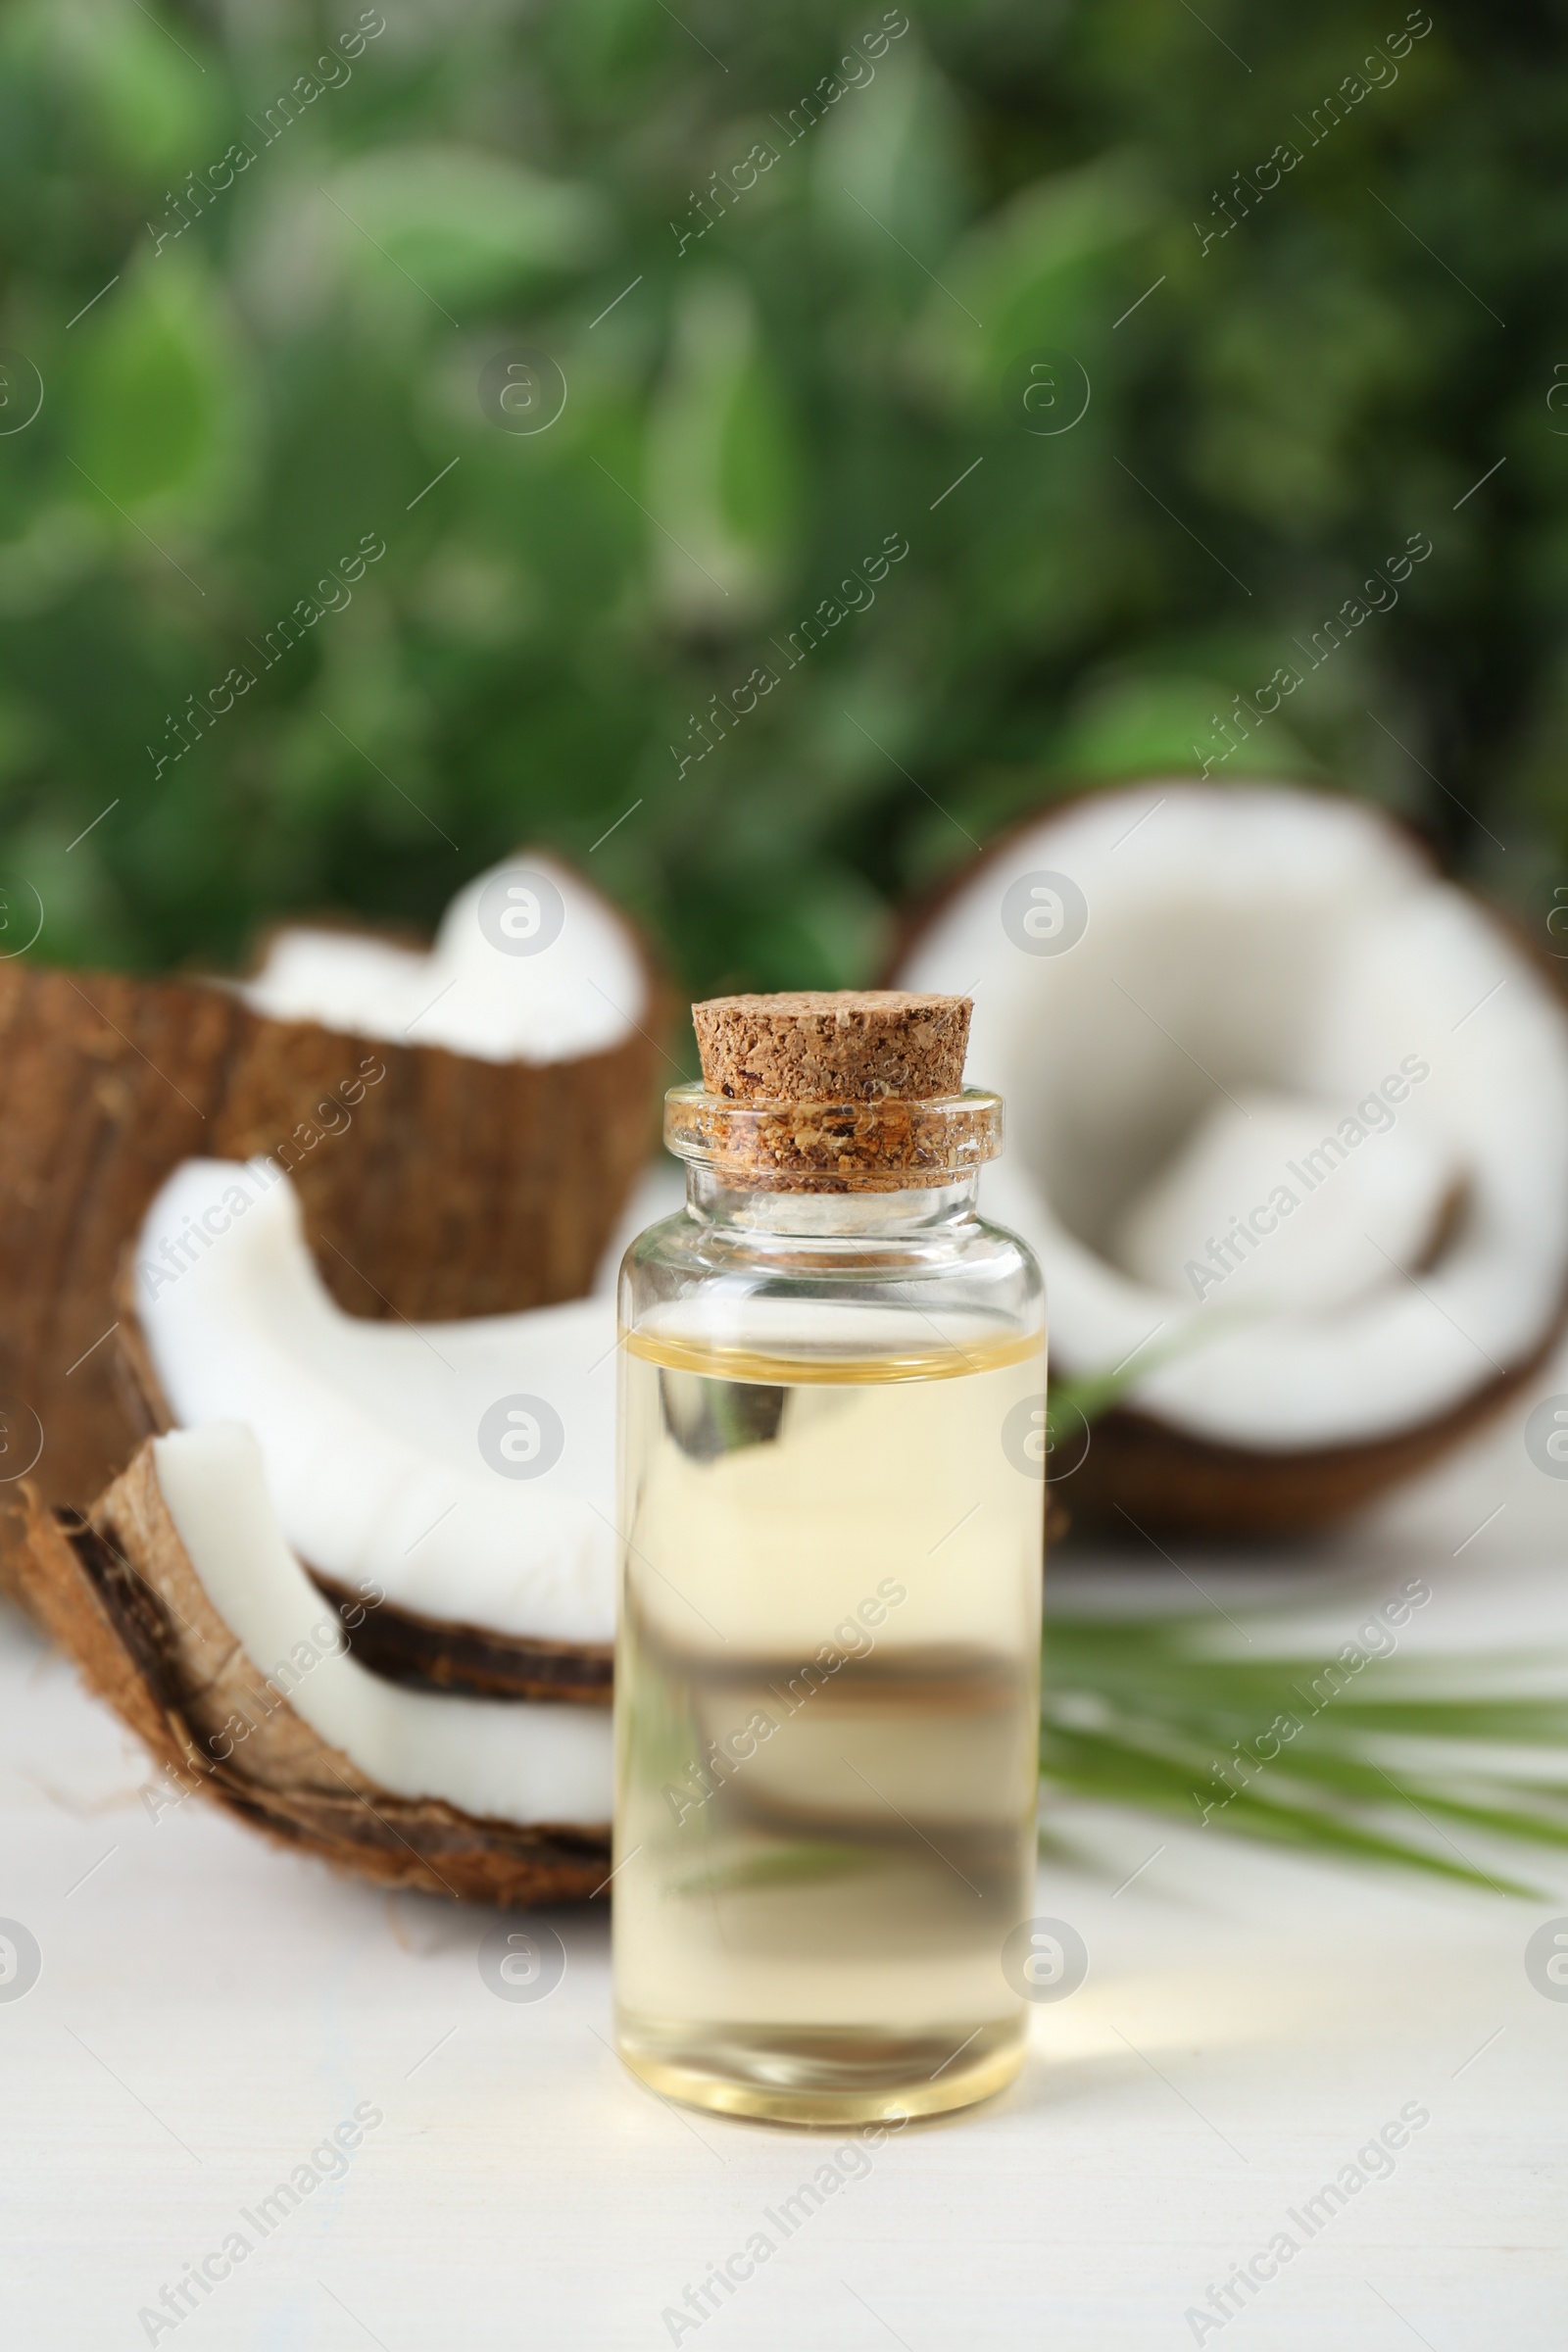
column 827, row 1721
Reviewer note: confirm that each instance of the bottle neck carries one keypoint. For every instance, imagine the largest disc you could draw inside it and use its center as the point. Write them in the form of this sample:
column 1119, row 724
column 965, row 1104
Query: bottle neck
column 917, row 1212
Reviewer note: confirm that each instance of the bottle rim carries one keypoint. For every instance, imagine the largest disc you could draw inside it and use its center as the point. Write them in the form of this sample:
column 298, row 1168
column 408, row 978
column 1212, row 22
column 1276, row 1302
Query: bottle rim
column 892, row 1143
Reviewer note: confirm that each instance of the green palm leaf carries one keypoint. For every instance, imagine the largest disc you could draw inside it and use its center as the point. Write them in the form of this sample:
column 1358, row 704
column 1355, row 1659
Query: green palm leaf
column 1394, row 1761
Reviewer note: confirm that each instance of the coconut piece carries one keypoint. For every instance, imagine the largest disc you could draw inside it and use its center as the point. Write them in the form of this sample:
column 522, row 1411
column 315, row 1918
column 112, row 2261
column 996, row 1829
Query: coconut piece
column 1381, row 1217
column 184, row 1610
column 486, row 988
column 1198, row 946
column 463, row 1154
column 515, row 1762
column 460, row 1475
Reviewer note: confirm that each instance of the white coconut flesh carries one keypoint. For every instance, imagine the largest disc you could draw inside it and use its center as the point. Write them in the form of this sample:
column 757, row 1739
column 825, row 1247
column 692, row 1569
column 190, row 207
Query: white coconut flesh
column 370, row 1432
column 505, row 1759
column 1290, row 1102
column 1384, row 1208
column 501, row 982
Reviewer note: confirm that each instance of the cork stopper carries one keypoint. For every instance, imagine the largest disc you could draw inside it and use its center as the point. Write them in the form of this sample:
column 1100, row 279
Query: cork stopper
column 852, row 1090
column 833, row 1046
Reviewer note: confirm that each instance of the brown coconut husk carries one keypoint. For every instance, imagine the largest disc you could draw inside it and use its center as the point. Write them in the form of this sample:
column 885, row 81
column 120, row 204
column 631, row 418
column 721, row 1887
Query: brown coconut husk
column 433, row 1185
column 119, row 1594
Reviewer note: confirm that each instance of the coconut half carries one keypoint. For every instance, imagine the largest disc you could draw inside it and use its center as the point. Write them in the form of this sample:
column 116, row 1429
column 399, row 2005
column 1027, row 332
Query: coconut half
column 449, row 1486
column 185, row 1609
column 1288, row 1118
column 529, row 963
column 463, row 1128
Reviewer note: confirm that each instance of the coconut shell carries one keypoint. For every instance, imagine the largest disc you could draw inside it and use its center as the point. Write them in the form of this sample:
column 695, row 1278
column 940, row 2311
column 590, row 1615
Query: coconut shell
column 433, row 1185
column 440, row 1653
column 426, row 1653
column 117, row 1593
column 1149, row 1472
column 1146, row 1473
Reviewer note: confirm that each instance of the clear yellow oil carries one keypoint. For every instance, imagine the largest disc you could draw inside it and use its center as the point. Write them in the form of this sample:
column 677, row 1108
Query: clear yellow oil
column 827, row 1724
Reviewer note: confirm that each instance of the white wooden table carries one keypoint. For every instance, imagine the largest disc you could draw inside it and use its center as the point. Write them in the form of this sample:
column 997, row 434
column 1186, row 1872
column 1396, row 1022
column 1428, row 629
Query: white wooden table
column 210, row 2009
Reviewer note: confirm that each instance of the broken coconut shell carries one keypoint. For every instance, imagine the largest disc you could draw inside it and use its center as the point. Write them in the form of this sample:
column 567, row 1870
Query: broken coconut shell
column 435, row 1185
column 117, row 1592
column 1137, row 948
column 403, row 1644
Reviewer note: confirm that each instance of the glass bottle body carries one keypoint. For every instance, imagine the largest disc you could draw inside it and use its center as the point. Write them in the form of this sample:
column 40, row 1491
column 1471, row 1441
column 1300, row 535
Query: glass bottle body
column 827, row 1660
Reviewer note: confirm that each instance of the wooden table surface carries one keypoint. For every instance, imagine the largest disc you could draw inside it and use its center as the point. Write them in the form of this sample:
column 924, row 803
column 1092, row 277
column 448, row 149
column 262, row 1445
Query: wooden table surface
column 210, row 2010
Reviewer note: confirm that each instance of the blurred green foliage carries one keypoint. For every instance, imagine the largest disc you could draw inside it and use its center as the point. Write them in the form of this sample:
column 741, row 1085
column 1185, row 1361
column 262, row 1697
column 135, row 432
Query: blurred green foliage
column 771, row 368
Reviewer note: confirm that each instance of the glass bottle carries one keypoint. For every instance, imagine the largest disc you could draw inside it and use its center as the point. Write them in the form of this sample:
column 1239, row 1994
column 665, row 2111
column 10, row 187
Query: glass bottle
column 832, row 1400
